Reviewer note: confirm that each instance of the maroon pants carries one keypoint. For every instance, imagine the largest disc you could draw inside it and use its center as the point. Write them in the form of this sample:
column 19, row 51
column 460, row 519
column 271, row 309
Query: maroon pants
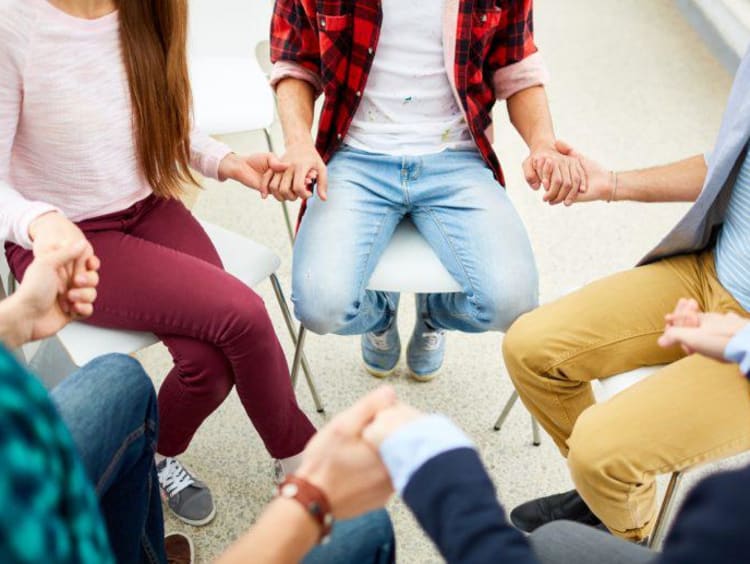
column 160, row 273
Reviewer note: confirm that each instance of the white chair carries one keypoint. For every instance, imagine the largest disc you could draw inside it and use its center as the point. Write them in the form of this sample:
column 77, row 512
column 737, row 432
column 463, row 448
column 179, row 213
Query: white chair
column 231, row 93
column 248, row 261
column 408, row 265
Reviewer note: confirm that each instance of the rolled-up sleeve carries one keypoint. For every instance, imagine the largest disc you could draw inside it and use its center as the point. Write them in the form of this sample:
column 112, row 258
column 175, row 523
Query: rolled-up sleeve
column 295, row 49
column 515, row 60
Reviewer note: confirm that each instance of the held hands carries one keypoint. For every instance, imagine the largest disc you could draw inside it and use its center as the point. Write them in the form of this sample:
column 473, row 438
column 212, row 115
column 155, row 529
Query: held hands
column 47, row 300
column 703, row 333
column 567, row 176
column 305, row 168
column 250, row 170
column 344, row 466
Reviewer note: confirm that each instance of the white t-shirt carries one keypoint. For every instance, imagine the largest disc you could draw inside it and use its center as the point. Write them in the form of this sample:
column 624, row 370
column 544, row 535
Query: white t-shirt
column 408, row 106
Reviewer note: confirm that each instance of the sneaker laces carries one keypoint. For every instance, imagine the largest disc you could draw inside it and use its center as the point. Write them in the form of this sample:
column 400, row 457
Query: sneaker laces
column 433, row 339
column 379, row 340
column 174, row 477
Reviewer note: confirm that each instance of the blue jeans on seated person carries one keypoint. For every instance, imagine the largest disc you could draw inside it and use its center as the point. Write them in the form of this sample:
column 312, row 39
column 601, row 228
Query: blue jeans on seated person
column 110, row 408
column 366, row 540
column 456, row 204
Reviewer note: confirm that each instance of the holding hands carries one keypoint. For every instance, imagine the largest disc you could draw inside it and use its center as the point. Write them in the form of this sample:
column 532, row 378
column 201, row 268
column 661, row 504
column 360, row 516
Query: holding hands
column 567, row 176
column 703, row 333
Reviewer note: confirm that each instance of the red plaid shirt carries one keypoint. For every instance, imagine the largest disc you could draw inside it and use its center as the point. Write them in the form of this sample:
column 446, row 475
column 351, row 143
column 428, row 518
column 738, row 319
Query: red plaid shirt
column 331, row 43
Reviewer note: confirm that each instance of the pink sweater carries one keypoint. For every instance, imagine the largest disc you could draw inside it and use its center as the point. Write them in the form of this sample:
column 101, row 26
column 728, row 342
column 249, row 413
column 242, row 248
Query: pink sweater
column 66, row 133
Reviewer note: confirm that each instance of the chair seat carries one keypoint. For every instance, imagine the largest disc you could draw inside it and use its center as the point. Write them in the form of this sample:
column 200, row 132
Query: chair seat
column 610, row 387
column 410, row 265
column 230, row 95
column 245, row 259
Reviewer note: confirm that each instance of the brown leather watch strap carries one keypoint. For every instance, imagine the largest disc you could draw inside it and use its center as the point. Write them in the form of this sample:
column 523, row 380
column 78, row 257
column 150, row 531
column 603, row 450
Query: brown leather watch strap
column 312, row 499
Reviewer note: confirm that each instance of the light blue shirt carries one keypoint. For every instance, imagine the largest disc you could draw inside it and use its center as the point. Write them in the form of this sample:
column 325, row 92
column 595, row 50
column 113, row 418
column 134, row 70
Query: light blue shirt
column 415, row 444
column 733, row 247
column 738, row 350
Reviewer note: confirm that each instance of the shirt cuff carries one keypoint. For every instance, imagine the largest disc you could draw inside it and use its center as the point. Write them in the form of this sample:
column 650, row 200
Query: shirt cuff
column 738, row 350
column 290, row 69
column 21, row 232
column 524, row 74
column 412, row 446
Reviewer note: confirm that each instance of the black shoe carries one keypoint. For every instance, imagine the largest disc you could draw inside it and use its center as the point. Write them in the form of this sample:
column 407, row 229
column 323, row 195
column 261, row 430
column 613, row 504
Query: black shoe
column 567, row 506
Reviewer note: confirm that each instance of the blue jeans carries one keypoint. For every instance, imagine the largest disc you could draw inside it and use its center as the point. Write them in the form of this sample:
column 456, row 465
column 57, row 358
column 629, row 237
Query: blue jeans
column 460, row 209
column 366, row 540
column 110, row 407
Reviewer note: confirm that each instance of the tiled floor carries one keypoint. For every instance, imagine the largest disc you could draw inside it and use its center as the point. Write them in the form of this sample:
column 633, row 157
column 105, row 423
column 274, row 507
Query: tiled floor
column 632, row 85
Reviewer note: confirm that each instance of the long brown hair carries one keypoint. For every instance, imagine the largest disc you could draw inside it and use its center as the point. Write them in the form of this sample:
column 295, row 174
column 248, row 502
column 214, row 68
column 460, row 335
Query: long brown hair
column 153, row 34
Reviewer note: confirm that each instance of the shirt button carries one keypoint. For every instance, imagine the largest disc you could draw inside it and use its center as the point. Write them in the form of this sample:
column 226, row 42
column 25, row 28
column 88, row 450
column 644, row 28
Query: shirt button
column 339, row 137
column 371, row 50
column 359, row 94
column 322, row 23
column 484, row 18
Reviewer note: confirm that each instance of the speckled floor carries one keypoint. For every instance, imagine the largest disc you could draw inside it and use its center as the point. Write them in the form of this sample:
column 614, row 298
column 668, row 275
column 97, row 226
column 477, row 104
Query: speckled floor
column 632, row 85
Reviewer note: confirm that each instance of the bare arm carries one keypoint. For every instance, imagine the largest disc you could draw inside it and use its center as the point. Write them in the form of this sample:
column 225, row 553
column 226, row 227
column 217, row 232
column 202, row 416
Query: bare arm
column 563, row 178
column 677, row 182
column 296, row 100
column 14, row 329
column 681, row 181
column 529, row 113
column 284, row 533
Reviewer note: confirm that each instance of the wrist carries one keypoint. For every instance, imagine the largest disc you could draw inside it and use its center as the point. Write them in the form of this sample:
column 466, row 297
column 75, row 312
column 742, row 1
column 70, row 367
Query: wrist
column 228, row 166
column 38, row 223
column 15, row 322
column 312, row 500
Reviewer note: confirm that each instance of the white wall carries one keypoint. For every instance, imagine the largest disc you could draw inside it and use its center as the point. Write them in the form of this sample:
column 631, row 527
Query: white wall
column 220, row 27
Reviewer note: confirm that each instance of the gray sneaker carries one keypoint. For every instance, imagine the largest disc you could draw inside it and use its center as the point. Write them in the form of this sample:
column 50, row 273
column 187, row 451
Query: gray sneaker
column 188, row 498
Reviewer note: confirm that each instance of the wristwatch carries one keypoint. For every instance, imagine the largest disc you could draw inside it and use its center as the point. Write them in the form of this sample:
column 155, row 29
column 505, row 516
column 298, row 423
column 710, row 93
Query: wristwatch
column 314, row 501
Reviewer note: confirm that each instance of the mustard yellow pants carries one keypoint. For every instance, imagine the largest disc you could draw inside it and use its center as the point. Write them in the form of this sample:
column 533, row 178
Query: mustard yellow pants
column 693, row 410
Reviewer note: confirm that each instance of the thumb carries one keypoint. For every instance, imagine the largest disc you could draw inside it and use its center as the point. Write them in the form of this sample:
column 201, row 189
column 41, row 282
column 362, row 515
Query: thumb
column 532, row 178
column 566, row 149
column 275, row 164
column 354, row 420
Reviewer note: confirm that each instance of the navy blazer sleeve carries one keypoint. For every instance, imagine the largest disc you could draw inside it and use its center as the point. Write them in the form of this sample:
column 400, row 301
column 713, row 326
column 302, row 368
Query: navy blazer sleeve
column 454, row 501
column 713, row 525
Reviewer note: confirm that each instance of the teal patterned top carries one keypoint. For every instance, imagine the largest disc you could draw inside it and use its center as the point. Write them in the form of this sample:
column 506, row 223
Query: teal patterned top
column 48, row 510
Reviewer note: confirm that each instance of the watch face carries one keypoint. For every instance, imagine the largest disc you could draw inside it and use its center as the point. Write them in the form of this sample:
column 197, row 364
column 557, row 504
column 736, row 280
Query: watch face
column 289, row 490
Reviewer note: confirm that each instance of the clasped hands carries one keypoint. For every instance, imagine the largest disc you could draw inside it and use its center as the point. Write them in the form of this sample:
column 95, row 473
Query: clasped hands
column 566, row 175
column 342, row 459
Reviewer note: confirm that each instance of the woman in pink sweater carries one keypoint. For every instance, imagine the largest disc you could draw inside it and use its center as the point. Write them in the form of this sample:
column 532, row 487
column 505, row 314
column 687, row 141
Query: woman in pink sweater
column 95, row 143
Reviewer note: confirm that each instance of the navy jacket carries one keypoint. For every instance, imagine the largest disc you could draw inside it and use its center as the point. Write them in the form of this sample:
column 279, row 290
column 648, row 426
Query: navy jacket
column 454, row 501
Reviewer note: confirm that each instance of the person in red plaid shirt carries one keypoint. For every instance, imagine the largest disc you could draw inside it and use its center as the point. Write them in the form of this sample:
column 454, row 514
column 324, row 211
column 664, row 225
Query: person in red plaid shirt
column 406, row 131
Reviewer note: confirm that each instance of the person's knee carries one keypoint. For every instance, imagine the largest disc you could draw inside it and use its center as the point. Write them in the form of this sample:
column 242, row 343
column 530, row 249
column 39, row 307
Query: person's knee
column 497, row 311
column 324, row 311
column 120, row 375
column 524, row 346
column 594, row 448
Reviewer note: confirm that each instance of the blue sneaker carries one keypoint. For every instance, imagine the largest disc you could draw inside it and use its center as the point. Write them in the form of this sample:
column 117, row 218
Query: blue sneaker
column 382, row 351
column 426, row 349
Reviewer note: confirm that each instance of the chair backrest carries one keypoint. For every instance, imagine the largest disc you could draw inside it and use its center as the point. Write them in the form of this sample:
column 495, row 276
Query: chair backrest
column 410, row 265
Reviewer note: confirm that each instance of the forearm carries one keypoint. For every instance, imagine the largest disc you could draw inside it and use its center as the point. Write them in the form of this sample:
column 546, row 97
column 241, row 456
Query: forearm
column 14, row 330
column 284, row 533
column 530, row 115
column 296, row 100
column 677, row 182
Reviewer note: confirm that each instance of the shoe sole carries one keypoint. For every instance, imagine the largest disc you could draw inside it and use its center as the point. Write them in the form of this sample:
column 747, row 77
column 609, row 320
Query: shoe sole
column 423, row 378
column 190, row 543
column 379, row 374
column 202, row 523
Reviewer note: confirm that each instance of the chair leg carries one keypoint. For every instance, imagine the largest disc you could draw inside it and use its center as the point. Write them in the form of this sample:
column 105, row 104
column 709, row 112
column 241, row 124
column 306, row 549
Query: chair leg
column 506, row 410
column 667, row 505
column 537, row 436
column 299, row 354
column 284, row 205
